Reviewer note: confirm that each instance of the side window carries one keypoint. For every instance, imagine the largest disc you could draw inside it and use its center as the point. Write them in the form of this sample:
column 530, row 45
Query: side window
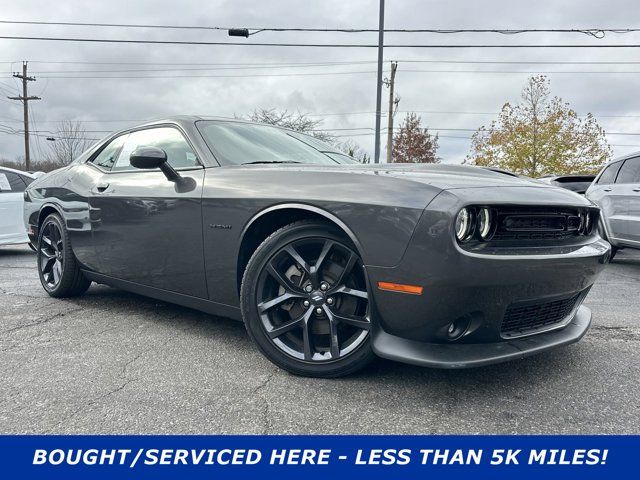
column 27, row 180
column 609, row 175
column 179, row 153
column 109, row 154
column 630, row 171
column 11, row 182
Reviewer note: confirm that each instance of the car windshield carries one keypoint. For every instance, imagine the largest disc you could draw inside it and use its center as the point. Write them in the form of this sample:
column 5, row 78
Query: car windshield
column 239, row 143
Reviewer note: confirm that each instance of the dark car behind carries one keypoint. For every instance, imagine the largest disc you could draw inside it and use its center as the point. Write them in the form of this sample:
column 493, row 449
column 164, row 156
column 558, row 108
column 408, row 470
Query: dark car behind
column 575, row 183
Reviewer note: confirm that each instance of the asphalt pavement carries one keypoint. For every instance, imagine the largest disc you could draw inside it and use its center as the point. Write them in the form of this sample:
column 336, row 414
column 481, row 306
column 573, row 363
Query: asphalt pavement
column 115, row 362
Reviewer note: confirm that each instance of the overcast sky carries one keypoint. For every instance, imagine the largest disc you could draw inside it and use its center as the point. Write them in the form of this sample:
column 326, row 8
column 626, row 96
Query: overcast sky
column 108, row 104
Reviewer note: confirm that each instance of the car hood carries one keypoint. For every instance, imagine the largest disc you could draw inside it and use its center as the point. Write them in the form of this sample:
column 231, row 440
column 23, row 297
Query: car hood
column 445, row 177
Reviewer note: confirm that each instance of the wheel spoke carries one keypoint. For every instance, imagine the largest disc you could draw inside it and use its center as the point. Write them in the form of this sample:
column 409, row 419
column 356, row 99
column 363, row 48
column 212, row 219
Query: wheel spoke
column 347, row 269
column 298, row 259
column 47, row 240
column 335, row 345
column 46, row 264
column 290, row 325
column 359, row 322
column 56, row 270
column 323, row 254
column 264, row 306
column 283, row 280
column 351, row 291
column 306, row 336
column 284, row 328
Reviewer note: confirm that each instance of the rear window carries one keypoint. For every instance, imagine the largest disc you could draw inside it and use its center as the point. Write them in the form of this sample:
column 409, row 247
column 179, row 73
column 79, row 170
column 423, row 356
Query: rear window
column 609, row 174
column 630, row 171
column 12, row 182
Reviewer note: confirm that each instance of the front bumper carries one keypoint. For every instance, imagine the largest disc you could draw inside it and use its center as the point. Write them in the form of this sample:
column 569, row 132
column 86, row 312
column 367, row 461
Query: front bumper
column 480, row 290
column 439, row 355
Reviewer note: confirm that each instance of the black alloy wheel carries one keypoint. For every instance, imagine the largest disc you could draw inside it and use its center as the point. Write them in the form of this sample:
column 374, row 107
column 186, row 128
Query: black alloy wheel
column 58, row 268
column 307, row 305
column 51, row 255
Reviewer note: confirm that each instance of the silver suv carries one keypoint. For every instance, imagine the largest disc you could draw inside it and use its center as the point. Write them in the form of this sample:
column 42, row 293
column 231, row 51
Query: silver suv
column 617, row 191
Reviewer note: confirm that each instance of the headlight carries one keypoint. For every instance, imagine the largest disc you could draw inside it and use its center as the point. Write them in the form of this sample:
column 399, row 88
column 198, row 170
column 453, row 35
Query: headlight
column 485, row 224
column 463, row 225
column 587, row 224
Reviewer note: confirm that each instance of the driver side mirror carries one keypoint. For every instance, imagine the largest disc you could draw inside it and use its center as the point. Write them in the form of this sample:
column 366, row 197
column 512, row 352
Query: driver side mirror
column 149, row 158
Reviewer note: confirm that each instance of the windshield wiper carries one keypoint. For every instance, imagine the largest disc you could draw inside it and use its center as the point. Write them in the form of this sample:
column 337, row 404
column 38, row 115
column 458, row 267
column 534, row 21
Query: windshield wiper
column 266, row 161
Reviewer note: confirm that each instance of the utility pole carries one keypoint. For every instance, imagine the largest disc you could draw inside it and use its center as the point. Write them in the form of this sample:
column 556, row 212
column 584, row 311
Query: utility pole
column 393, row 102
column 376, row 157
column 25, row 103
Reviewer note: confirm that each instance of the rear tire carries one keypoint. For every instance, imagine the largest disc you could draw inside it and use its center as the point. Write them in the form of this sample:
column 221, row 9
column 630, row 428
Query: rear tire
column 305, row 303
column 58, row 268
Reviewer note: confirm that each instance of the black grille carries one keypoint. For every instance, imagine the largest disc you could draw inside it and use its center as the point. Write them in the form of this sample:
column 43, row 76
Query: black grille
column 536, row 223
column 522, row 319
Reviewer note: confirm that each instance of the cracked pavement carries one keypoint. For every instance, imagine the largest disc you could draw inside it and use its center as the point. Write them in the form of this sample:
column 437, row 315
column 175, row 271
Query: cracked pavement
column 115, row 362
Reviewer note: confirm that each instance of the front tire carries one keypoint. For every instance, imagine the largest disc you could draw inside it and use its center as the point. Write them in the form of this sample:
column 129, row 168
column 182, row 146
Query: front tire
column 305, row 301
column 58, row 268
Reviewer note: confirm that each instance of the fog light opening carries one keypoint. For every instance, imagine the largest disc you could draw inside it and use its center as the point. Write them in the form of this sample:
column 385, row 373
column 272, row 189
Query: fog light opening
column 458, row 328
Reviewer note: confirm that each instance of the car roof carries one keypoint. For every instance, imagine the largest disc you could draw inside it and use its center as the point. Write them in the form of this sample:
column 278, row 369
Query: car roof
column 624, row 157
column 191, row 119
column 13, row 170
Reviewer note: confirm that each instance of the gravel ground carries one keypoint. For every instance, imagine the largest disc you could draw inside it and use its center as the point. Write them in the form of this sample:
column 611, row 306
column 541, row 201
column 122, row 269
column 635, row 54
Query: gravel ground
column 114, row 362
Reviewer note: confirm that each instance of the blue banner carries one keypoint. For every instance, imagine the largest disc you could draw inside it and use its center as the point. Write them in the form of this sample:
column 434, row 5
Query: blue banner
column 308, row 457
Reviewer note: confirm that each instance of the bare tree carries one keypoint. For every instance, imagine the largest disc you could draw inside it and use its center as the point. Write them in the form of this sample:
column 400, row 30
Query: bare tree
column 297, row 121
column 354, row 150
column 70, row 140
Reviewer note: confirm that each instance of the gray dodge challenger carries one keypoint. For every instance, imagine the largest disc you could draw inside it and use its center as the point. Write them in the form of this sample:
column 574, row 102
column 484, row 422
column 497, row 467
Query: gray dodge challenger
column 326, row 261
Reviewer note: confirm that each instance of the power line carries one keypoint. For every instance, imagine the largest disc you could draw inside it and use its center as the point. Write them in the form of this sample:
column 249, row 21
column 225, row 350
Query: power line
column 261, row 64
column 429, row 112
column 203, row 68
column 439, row 112
column 64, row 74
column 349, row 129
column 594, row 32
column 528, row 72
column 310, row 45
column 323, row 114
column 452, row 129
column 330, row 63
column 524, row 62
column 252, row 75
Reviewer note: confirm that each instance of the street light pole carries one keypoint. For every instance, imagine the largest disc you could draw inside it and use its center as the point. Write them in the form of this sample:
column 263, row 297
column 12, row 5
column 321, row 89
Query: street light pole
column 376, row 157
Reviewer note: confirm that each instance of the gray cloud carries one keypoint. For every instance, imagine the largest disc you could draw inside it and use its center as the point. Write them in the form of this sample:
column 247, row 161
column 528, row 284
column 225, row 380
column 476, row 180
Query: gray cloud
column 102, row 101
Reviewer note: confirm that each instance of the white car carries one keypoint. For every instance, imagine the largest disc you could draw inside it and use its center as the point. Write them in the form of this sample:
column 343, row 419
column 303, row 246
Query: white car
column 12, row 186
column 616, row 190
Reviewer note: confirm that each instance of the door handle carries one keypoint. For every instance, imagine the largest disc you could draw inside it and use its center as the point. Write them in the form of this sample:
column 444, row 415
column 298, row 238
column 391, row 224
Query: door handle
column 607, row 189
column 636, row 189
column 100, row 188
